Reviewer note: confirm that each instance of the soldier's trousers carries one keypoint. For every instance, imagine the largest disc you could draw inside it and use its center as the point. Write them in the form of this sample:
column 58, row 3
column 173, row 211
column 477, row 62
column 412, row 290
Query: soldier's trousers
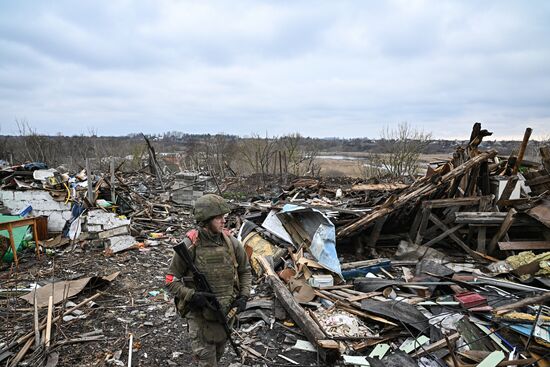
column 208, row 340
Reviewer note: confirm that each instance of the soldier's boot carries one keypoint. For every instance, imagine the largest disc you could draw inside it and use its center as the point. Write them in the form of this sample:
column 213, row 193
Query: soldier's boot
column 220, row 348
column 204, row 353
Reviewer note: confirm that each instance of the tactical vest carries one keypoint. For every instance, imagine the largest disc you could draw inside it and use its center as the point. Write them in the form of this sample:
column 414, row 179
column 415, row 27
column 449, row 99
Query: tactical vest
column 217, row 263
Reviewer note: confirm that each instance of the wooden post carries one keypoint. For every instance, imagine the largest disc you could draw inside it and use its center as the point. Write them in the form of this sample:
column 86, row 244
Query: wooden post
column 113, row 197
column 12, row 245
column 36, row 324
column 375, row 234
column 35, row 235
column 285, row 160
column 481, row 239
column 522, row 149
column 415, row 224
column 90, row 182
column 49, row 323
column 486, row 202
column 423, row 225
column 280, row 166
column 130, row 348
column 504, row 227
column 484, row 178
column 470, row 189
column 454, row 186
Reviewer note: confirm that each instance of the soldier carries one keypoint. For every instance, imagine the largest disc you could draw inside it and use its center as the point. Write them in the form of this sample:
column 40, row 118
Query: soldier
column 222, row 259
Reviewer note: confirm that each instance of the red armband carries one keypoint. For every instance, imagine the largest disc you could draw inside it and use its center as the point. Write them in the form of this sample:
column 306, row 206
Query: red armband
column 169, row 278
column 193, row 235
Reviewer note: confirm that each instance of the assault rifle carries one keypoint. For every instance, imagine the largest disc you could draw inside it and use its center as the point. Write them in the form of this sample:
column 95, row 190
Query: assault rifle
column 202, row 285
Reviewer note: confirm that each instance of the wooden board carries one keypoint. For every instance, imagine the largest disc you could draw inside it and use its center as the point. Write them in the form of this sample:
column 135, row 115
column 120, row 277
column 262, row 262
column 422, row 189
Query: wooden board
column 524, row 245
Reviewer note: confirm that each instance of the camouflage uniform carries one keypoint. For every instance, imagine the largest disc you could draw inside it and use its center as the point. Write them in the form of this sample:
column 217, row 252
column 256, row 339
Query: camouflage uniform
column 223, row 261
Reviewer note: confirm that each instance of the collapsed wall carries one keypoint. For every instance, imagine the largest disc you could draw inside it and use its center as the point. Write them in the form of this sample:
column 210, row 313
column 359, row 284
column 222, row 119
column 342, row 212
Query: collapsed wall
column 42, row 204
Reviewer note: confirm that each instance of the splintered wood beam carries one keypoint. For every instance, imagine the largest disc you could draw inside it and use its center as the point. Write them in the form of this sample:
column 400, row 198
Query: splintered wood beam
column 524, row 245
column 444, row 203
column 328, row 350
column 482, row 239
column 504, row 227
column 446, row 233
column 456, row 239
column 542, row 299
column 376, row 230
column 414, row 193
column 508, row 189
column 42, row 326
column 522, row 149
column 472, row 182
column 426, row 212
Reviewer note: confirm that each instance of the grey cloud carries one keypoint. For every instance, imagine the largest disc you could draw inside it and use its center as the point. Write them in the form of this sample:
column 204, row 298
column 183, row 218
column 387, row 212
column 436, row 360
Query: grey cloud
column 324, row 69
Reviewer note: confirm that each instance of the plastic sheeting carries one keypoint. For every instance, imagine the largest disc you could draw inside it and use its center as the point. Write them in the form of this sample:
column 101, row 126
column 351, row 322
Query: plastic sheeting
column 18, row 236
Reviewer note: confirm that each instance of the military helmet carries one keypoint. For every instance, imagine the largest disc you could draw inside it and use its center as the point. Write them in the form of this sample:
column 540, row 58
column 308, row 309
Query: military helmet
column 210, row 206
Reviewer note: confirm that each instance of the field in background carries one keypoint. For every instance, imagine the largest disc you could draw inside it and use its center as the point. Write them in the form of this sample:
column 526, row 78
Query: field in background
column 352, row 164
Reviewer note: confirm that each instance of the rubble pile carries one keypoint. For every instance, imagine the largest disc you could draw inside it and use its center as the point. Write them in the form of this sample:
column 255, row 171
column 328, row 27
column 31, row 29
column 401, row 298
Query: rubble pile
column 463, row 275
column 446, row 269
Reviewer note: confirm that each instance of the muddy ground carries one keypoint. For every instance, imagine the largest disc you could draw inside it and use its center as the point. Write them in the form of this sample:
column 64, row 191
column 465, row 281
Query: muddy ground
column 135, row 302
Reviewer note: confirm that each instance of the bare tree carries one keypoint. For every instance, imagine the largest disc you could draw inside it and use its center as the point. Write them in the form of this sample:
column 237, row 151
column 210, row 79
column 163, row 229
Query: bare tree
column 401, row 148
column 301, row 154
column 258, row 153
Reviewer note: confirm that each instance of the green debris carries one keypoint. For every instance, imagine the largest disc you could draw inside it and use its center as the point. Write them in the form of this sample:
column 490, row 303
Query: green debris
column 19, row 234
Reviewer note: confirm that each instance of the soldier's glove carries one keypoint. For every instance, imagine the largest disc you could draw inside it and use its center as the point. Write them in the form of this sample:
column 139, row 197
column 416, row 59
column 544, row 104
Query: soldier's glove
column 200, row 299
column 240, row 303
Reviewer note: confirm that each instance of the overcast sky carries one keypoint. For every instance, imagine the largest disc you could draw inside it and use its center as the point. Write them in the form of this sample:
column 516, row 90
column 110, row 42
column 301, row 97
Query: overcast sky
column 321, row 68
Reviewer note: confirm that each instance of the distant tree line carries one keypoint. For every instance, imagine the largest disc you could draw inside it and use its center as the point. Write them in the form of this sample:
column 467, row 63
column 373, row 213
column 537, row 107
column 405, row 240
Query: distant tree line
column 396, row 150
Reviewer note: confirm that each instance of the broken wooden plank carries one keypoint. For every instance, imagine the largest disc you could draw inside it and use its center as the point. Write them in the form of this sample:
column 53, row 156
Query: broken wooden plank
column 435, row 346
column 351, row 307
column 541, row 212
column 426, row 212
column 456, row 239
column 114, row 232
column 310, row 328
column 376, row 230
column 446, row 233
column 481, row 239
column 538, row 180
column 508, row 189
column 545, row 297
column 504, row 227
column 360, row 264
column 21, row 353
column 444, row 203
column 524, row 245
column 479, row 217
column 413, row 193
column 27, row 336
column 522, row 149
column 49, row 323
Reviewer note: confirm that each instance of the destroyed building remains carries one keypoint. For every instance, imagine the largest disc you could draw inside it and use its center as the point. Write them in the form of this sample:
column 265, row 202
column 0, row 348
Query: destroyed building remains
column 450, row 268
